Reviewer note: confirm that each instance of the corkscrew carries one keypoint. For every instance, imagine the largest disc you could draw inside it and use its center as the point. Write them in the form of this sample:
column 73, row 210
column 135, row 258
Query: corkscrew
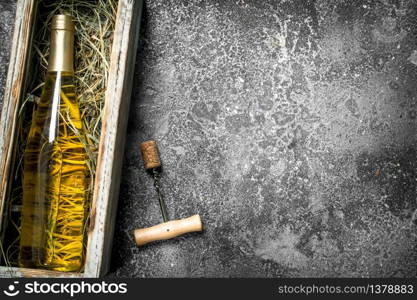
column 167, row 229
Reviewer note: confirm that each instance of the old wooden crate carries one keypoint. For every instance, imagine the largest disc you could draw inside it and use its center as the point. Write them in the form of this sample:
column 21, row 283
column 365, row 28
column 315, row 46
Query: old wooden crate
column 114, row 122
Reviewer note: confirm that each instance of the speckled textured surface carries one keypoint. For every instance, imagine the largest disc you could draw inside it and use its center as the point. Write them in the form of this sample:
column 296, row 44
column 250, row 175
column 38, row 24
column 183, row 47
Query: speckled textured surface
column 7, row 11
column 290, row 126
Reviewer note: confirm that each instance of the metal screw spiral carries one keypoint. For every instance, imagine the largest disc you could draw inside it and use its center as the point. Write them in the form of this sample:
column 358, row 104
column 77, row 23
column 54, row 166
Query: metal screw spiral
column 162, row 205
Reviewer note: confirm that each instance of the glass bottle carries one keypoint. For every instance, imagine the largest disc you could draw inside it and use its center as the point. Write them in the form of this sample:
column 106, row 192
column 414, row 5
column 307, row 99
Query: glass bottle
column 55, row 175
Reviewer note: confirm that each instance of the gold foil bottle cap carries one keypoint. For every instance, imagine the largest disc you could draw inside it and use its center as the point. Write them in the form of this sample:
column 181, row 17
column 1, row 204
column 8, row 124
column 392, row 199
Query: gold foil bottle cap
column 62, row 22
column 62, row 44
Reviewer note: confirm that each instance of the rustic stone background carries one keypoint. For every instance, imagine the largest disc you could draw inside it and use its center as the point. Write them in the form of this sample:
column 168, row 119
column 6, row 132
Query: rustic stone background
column 290, row 126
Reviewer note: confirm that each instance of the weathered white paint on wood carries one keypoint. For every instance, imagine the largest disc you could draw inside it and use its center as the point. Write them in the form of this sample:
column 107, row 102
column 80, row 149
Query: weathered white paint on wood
column 111, row 148
column 13, row 89
column 7, row 272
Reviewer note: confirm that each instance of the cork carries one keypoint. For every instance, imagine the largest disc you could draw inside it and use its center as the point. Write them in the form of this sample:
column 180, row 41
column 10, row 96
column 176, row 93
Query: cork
column 150, row 155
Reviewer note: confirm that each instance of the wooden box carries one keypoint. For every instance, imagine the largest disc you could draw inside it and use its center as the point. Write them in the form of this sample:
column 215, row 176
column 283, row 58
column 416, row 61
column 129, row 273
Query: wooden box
column 112, row 140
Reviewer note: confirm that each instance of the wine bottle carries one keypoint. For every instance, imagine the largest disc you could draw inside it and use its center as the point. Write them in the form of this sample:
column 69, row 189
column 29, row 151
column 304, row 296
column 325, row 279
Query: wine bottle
column 55, row 172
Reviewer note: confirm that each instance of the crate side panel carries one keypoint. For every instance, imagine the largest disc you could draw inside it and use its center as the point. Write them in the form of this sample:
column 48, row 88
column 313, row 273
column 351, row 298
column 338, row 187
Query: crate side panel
column 19, row 54
column 110, row 158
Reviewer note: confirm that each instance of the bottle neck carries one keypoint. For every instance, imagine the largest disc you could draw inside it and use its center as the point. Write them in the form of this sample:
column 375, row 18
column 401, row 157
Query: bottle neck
column 61, row 51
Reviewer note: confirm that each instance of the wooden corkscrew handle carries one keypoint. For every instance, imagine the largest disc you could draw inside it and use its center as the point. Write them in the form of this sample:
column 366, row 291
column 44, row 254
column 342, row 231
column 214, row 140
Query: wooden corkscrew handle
column 168, row 230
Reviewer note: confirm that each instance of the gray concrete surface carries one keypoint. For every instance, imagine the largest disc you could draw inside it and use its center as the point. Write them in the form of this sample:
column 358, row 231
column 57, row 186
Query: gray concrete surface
column 7, row 11
column 290, row 126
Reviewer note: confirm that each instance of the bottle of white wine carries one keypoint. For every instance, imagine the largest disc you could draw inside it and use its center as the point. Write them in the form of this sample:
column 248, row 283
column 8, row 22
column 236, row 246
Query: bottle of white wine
column 55, row 174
